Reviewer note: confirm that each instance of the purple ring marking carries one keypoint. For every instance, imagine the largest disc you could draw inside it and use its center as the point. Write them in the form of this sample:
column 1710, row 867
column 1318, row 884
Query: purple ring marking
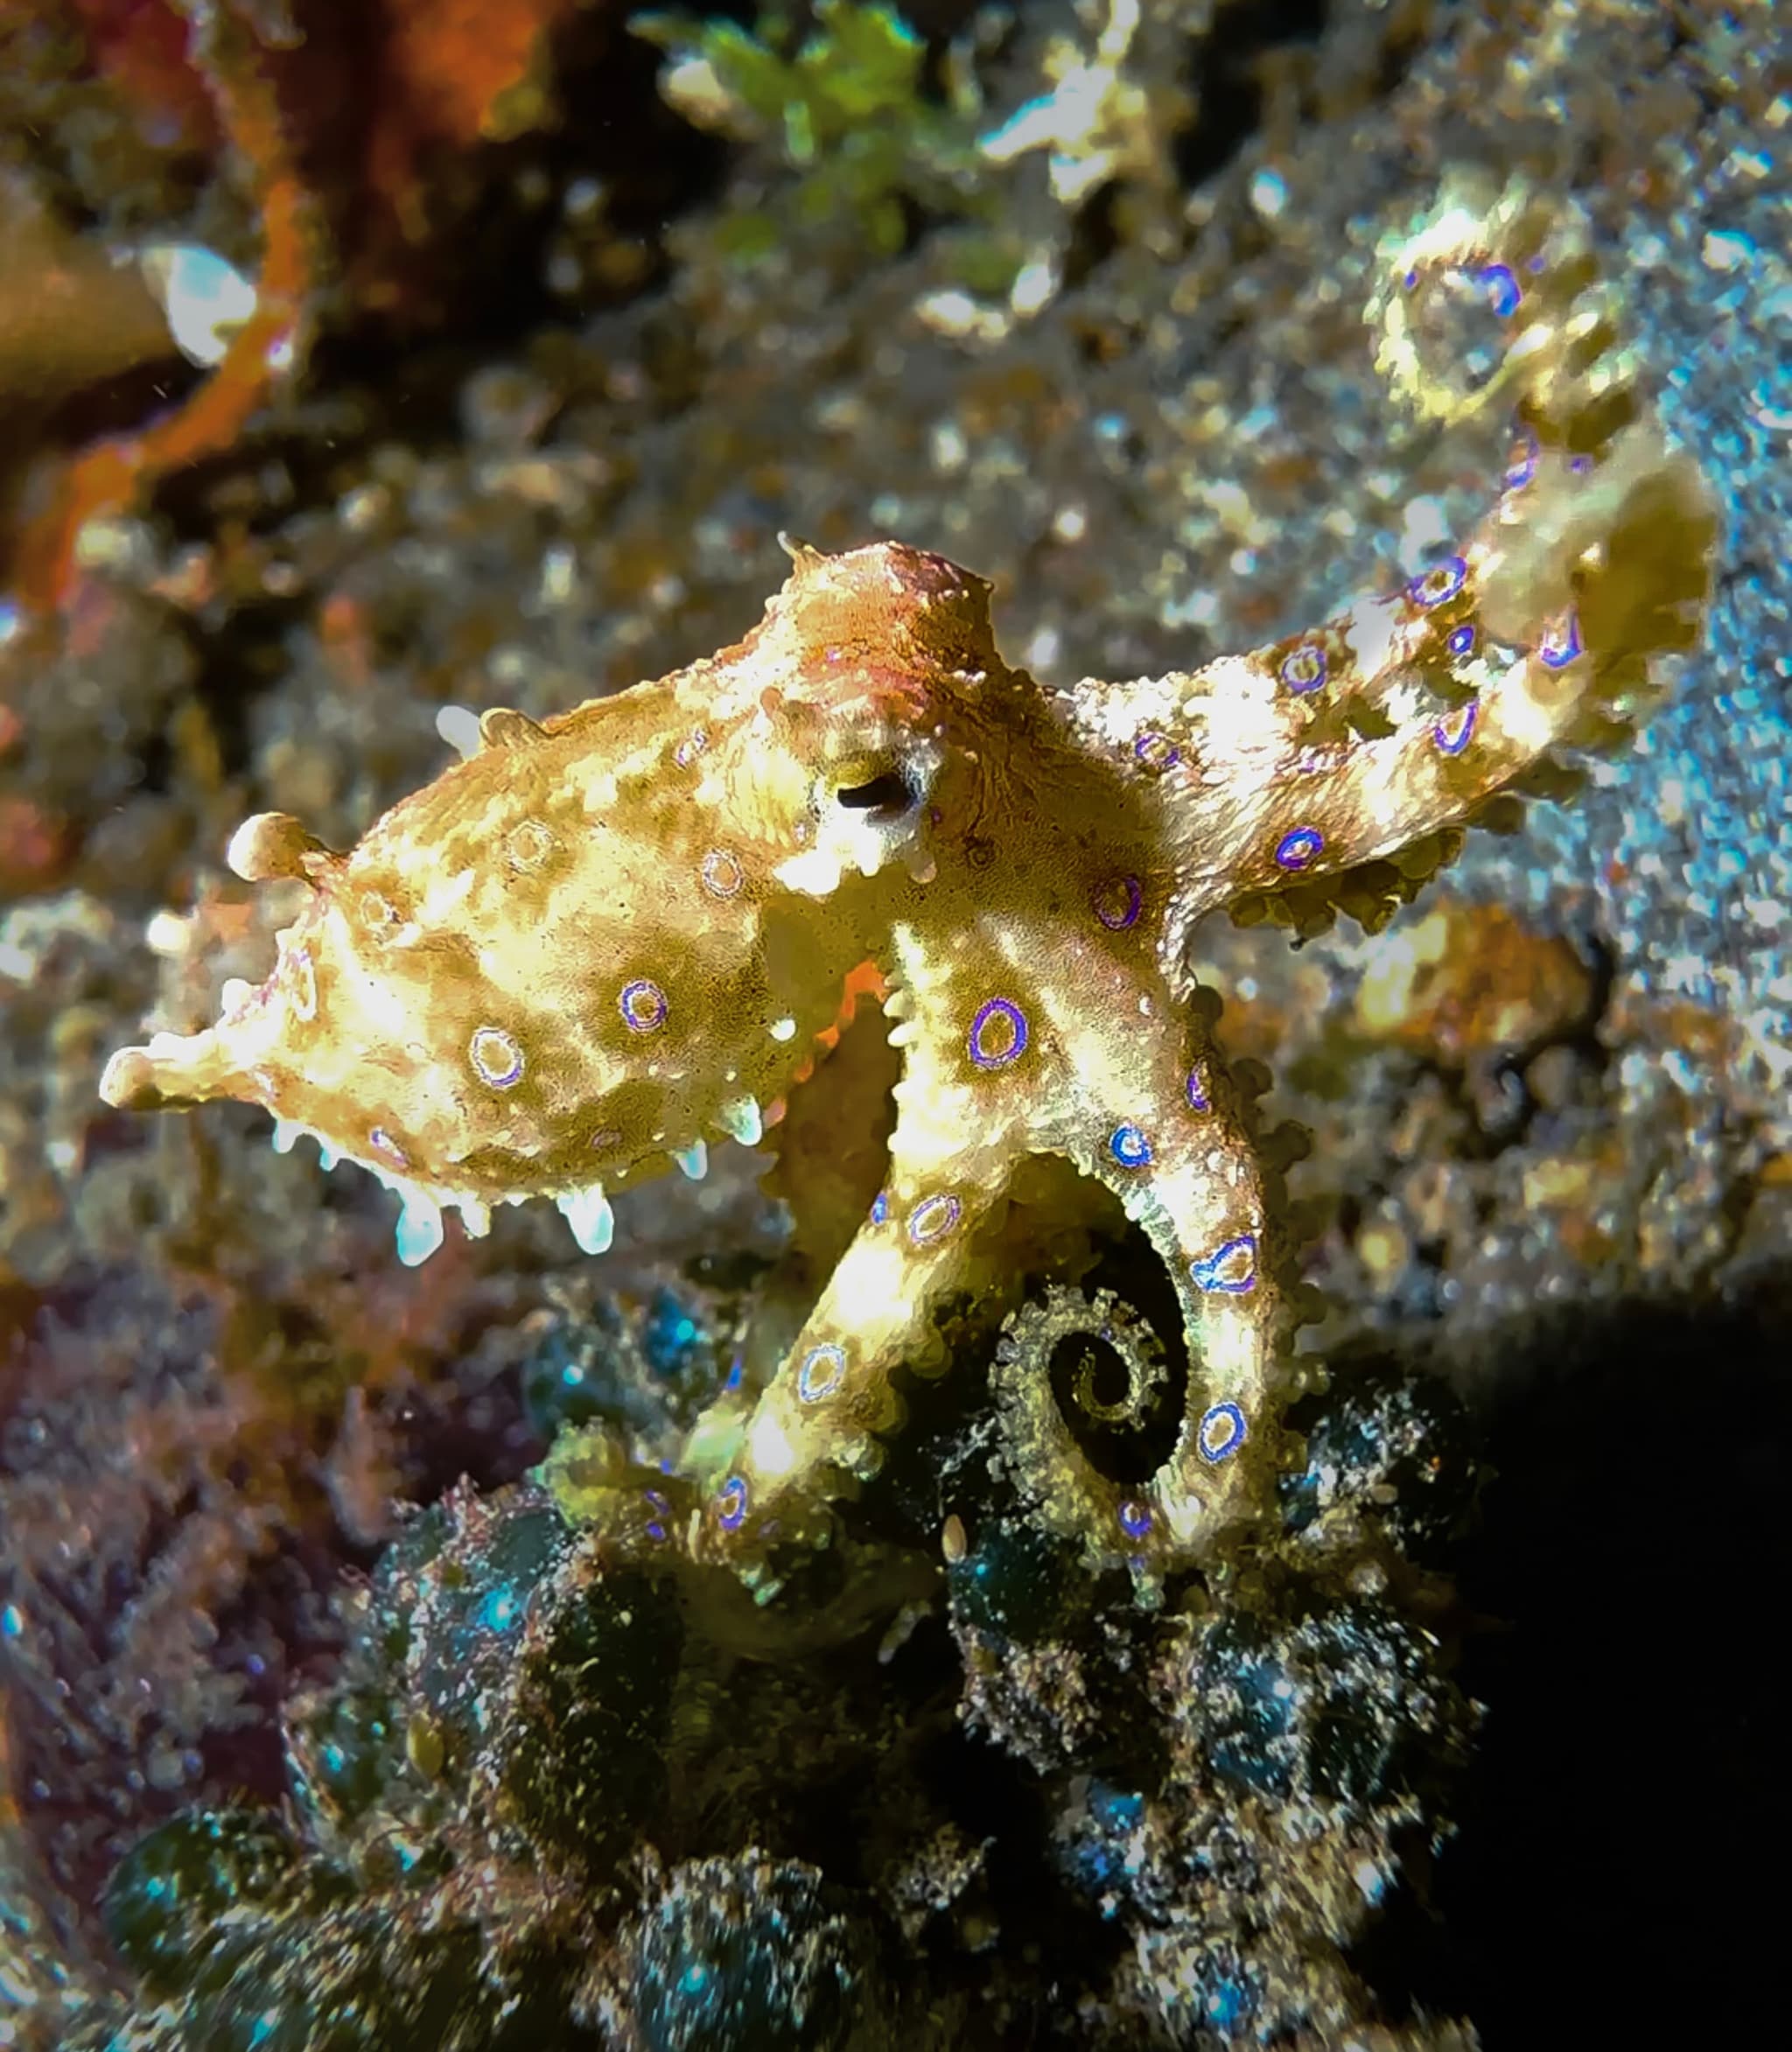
column 1118, row 919
column 1304, row 670
column 1462, row 641
column 1156, row 751
column 495, row 1056
column 822, row 1371
column 382, row 1142
column 731, row 1503
column 880, row 1207
column 1561, row 643
column 1298, row 848
column 1009, row 1014
column 1195, row 1090
column 1135, row 1519
column 932, row 1219
column 1229, row 1271
column 1442, row 581
column 1130, row 1147
column 721, row 873
column 642, row 1004
column 1453, row 732
column 1220, row 1433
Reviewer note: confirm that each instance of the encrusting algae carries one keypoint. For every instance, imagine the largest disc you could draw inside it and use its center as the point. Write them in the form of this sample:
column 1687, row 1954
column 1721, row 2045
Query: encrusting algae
column 599, row 943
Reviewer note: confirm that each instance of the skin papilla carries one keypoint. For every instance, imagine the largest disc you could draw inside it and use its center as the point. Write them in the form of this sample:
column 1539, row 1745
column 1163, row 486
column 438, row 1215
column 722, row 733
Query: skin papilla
column 600, row 945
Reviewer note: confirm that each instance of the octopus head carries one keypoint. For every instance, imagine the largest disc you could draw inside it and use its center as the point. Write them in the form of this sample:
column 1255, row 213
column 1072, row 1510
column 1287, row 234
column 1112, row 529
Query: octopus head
column 595, row 943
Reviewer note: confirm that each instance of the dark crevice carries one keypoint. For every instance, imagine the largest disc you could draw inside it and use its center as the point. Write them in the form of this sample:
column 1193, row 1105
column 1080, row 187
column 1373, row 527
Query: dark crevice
column 1226, row 79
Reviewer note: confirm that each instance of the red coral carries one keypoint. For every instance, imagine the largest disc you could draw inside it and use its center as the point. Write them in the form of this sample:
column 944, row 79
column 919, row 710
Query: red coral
column 345, row 111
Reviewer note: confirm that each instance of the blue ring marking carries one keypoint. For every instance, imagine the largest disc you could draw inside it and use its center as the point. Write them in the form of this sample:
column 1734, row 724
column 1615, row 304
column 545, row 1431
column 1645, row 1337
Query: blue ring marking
column 633, row 993
column 1298, row 847
column 1439, row 584
column 1454, row 734
column 1220, row 1433
column 731, row 1503
column 880, row 1207
column 812, row 1386
column 922, row 1226
column 1135, row 1519
column 1238, row 1255
column 1304, row 670
column 1561, row 643
column 1118, row 922
column 496, row 1057
column 721, row 874
column 1001, row 1008
column 1154, row 751
column 1196, row 1092
column 1462, row 641
column 1129, row 1146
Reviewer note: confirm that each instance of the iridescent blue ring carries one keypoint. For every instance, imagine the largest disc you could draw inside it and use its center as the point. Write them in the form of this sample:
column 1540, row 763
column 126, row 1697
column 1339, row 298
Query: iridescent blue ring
column 1454, row 734
column 1304, row 670
column 1462, row 641
column 721, row 874
column 822, row 1371
column 1220, row 1433
column 1298, row 847
column 1116, row 919
column 1561, row 643
column 1135, row 1518
column 1229, row 1271
column 1441, row 582
column 731, row 1503
column 1195, row 1090
column 933, row 1218
column 1129, row 1146
column 642, row 1004
column 1155, row 750
column 1002, row 1008
column 496, row 1057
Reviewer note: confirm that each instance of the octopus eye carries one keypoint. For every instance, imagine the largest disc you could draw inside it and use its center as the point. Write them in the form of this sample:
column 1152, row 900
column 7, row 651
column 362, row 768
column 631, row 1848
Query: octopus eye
column 885, row 797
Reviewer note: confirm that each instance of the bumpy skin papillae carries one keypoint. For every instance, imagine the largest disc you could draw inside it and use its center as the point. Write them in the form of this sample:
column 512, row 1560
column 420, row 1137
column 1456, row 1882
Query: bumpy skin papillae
column 602, row 941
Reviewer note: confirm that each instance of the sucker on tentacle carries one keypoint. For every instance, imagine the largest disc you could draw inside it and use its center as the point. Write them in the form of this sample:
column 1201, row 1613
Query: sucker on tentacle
column 600, row 945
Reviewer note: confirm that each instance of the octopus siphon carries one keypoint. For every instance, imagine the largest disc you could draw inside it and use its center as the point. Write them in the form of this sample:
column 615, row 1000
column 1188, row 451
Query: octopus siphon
column 599, row 943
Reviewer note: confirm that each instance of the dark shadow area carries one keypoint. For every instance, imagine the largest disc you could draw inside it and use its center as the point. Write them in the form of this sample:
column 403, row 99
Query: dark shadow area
column 1618, row 1877
column 1226, row 83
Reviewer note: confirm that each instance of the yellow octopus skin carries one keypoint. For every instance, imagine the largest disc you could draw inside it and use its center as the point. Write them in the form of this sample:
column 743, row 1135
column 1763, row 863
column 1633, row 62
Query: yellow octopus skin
column 602, row 941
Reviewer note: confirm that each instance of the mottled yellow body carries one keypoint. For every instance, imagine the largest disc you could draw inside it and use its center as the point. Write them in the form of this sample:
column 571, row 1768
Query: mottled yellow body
column 597, row 945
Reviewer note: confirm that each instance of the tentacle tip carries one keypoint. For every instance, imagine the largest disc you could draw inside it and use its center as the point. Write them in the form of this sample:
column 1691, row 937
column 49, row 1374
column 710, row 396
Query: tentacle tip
column 129, row 1081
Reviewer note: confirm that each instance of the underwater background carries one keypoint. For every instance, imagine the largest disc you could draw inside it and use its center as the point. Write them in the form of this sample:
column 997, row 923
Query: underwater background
column 359, row 366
